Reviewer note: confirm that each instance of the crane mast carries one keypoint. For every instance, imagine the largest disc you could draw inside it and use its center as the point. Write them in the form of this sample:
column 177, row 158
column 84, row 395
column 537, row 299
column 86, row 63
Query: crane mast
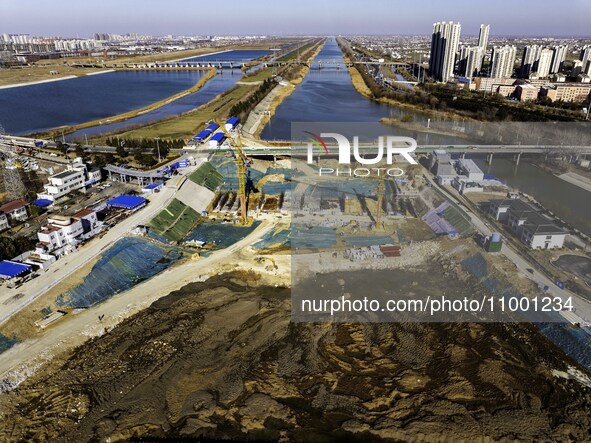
column 241, row 164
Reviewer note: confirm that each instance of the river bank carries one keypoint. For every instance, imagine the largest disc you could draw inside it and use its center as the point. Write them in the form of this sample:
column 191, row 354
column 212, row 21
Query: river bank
column 361, row 87
column 265, row 111
column 575, row 179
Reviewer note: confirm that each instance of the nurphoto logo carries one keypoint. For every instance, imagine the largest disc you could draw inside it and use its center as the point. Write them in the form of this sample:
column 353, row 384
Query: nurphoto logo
column 390, row 145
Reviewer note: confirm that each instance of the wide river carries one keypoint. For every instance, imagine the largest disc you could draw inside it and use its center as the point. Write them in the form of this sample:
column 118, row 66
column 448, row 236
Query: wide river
column 43, row 106
column 566, row 200
column 328, row 95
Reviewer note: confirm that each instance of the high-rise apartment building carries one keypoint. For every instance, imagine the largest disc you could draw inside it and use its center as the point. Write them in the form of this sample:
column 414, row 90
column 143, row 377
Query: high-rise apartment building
column 444, row 45
column 544, row 63
column 470, row 63
column 558, row 56
column 483, row 36
column 529, row 61
column 503, row 61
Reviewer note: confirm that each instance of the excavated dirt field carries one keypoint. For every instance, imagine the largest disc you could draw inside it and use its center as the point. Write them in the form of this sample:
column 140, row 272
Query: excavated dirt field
column 221, row 360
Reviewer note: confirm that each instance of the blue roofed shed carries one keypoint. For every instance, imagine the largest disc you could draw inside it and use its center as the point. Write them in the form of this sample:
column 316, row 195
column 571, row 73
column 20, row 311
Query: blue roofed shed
column 231, row 123
column 10, row 269
column 130, row 202
column 216, row 139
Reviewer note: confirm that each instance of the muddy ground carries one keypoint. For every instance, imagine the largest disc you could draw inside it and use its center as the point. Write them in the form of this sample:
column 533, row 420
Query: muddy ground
column 221, row 359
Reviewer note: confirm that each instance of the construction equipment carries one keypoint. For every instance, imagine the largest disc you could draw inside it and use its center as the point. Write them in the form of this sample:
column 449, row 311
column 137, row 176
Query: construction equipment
column 242, row 163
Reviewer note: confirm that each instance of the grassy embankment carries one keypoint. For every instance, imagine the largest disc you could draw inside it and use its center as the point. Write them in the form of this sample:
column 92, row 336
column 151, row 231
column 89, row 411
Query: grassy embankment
column 189, row 123
column 361, row 87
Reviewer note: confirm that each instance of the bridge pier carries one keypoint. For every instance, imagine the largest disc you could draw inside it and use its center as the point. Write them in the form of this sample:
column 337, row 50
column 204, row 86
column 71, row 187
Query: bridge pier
column 516, row 158
column 489, row 158
column 463, row 155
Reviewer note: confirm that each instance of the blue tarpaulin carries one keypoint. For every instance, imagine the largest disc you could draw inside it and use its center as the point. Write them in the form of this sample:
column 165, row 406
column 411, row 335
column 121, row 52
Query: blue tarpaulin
column 11, row 269
column 42, row 202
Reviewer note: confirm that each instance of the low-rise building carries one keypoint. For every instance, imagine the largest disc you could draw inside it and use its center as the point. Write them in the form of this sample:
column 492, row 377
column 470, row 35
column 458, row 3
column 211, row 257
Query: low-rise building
column 463, row 185
column 505, row 90
column 470, row 169
column 527, row 92
column 538, row 232
column 489, row 84
column 440, row 163
column 64, row 232
column 62, row 184
column 567, row 92
column 14, row 211
column 4, row 222
column 528, row 224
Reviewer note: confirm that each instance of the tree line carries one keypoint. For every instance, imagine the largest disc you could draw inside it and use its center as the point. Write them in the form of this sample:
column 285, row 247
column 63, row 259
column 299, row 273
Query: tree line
column 244, row 107
column 145, row 143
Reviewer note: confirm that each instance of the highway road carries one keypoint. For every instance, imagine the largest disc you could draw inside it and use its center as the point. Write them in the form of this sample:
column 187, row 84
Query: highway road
column 255, row 147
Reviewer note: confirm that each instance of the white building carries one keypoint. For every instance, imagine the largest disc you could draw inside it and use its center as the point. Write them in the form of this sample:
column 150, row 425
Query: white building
column 62, row 184
column 75, row 178
column 530, row 59
column 444, row 45
column 63, row 232
column 3, row 222
column 463, row 185
column 540, row 233
column 544, row 64
column 558, row 56
column 503, row 61
column 533, row 228
column 14, row 211
column 471, row 58
column 483, row 36
column 470, row 169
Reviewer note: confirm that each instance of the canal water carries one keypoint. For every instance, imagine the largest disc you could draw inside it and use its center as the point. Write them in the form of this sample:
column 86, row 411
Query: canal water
column 566, row 200
column 44, row 106
column 242, row 55
column 328, row 95
column 208, row 91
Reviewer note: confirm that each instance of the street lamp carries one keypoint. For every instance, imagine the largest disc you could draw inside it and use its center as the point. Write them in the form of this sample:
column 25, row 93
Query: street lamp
column 158, row 146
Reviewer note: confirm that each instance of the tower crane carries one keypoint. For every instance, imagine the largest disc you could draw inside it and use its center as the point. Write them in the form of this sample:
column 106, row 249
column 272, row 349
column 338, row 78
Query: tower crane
column 242, row 163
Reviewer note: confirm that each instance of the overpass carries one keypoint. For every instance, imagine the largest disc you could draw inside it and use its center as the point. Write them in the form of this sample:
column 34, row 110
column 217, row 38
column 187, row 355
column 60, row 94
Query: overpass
column 237, row 64
column 288, row 148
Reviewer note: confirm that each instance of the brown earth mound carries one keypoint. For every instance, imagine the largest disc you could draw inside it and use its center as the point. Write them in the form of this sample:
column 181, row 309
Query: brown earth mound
column 221, row 359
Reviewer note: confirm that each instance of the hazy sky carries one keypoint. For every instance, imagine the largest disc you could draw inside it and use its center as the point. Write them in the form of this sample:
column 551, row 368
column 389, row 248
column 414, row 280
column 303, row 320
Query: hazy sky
column 197, row 17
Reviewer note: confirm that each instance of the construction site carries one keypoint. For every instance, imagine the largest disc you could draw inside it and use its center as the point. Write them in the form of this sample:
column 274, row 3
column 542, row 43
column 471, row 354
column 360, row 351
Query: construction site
column 209, row 270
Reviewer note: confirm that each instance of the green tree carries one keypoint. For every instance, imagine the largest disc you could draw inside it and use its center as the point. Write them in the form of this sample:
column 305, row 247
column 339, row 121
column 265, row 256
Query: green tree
column 121, row 152
column 99, row 161
column 80, row 152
